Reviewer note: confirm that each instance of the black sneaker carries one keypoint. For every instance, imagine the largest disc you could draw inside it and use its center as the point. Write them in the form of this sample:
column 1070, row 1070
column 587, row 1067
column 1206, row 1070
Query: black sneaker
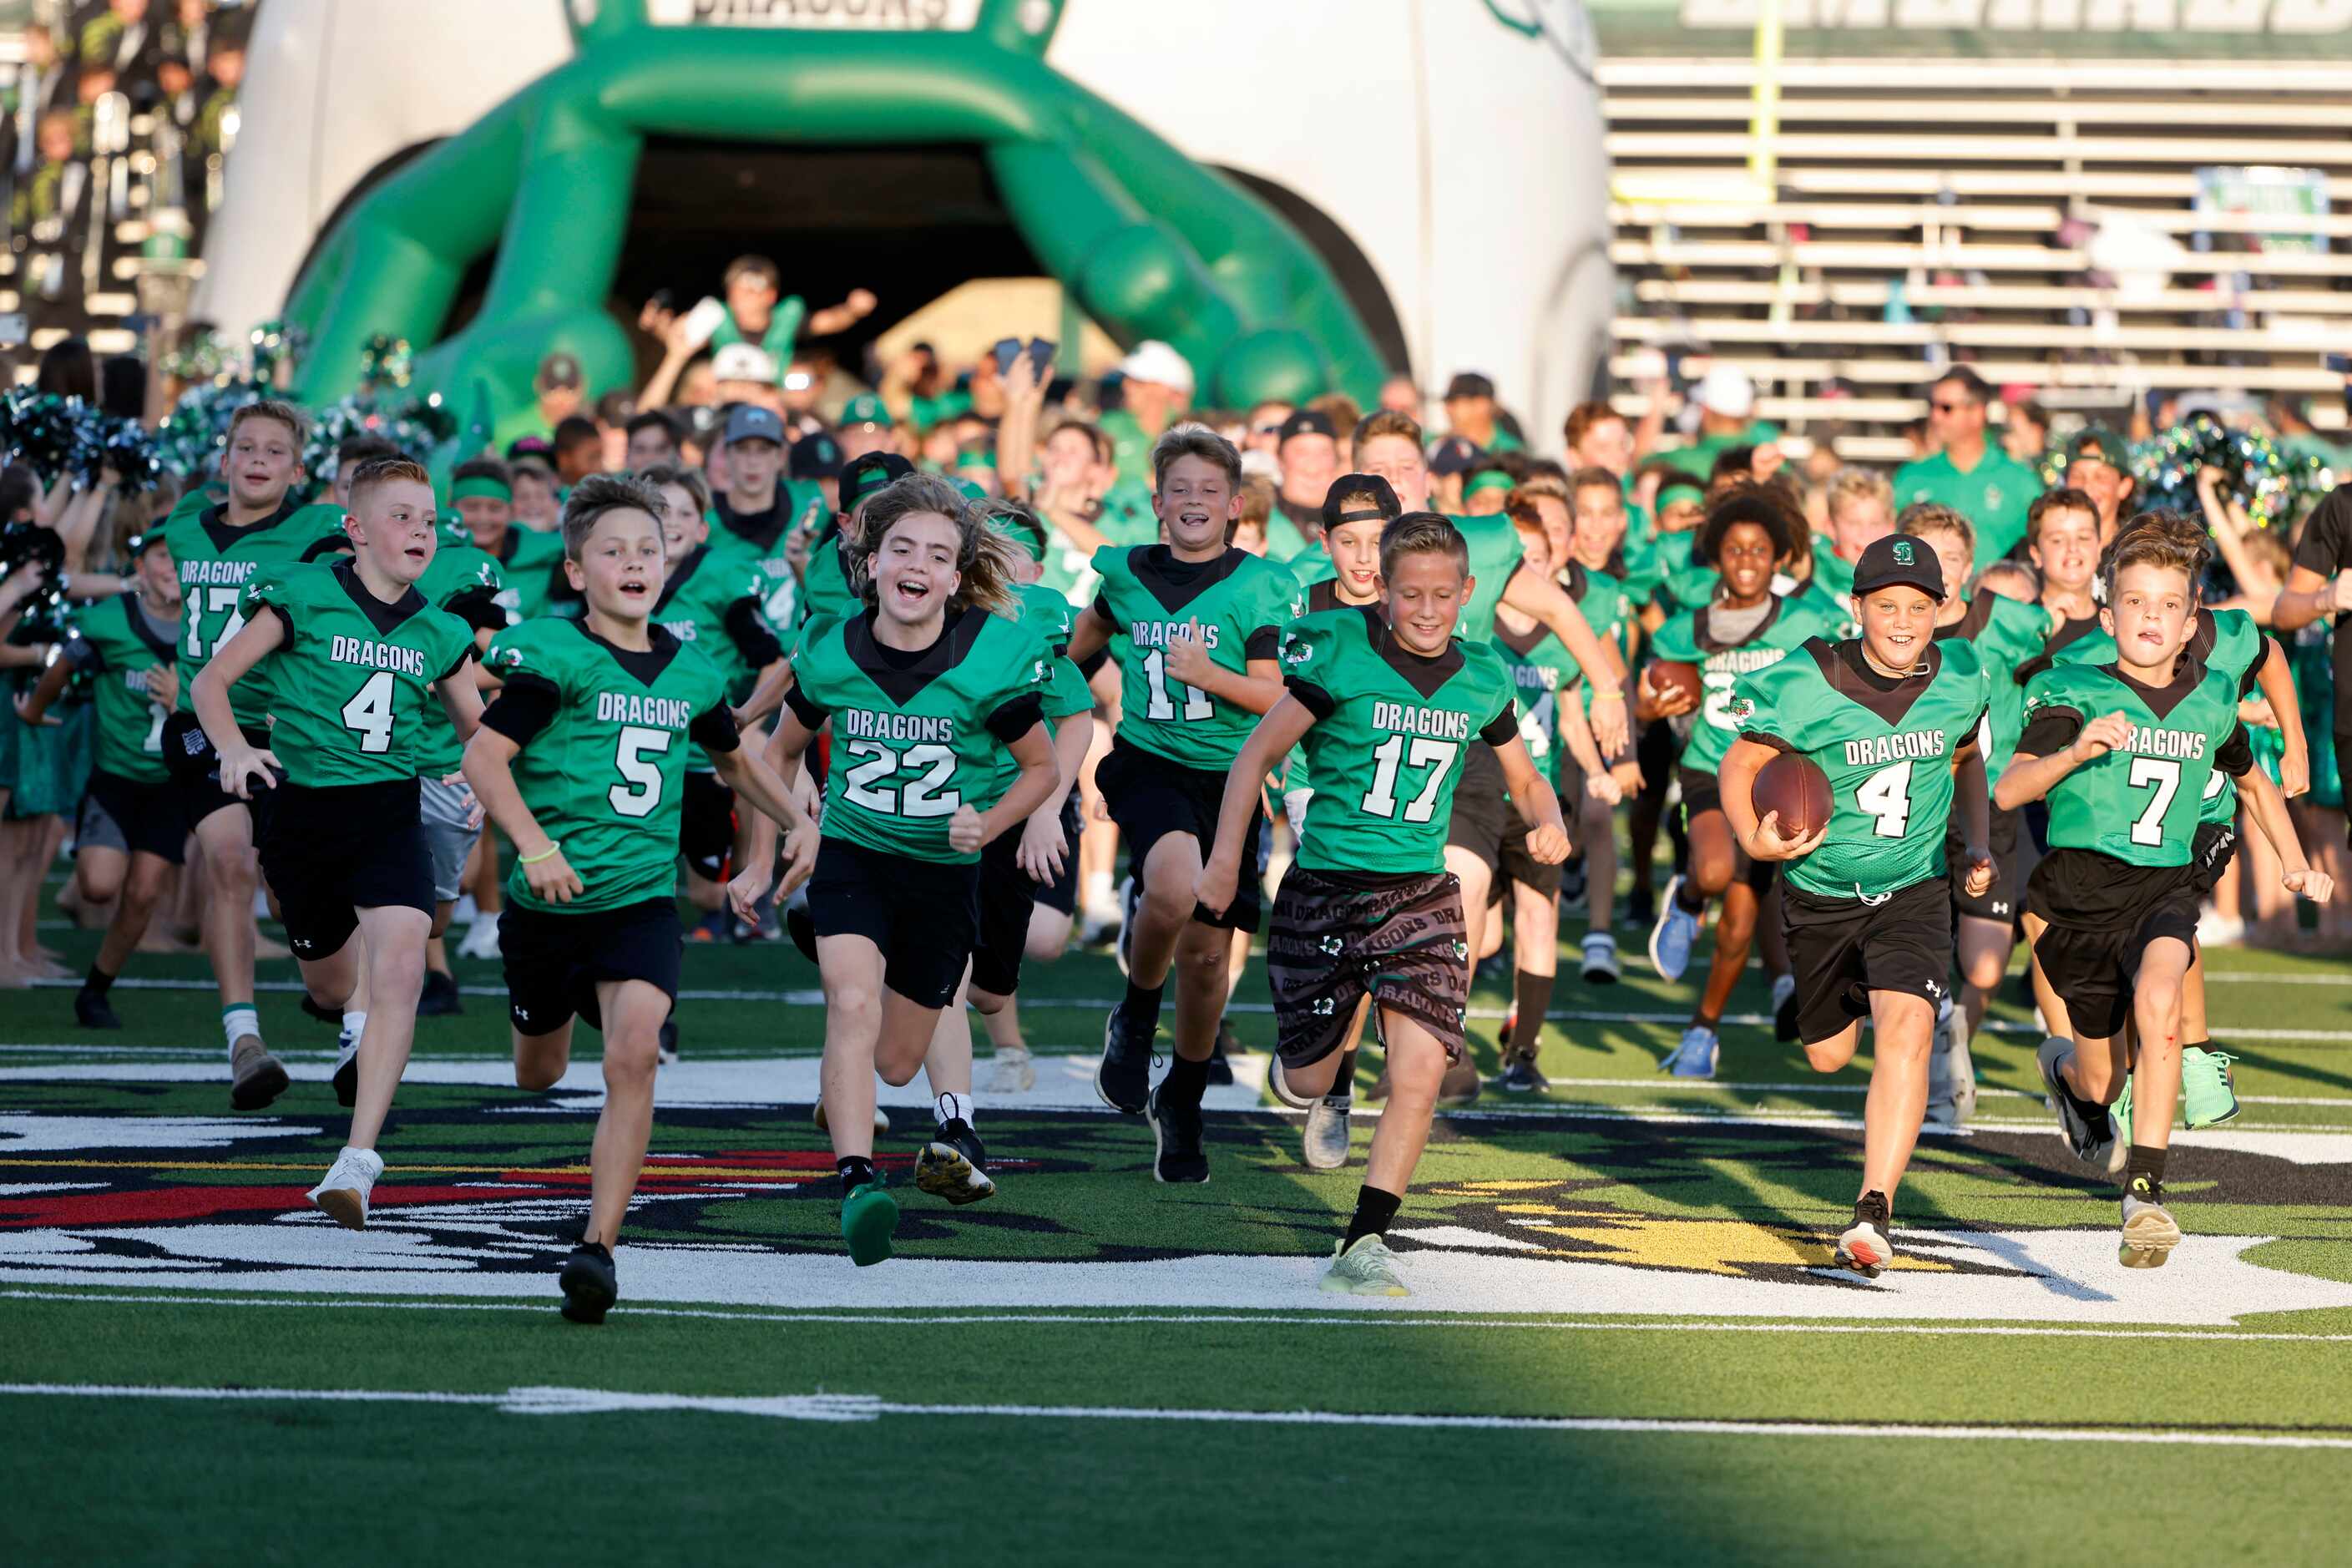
column 1641, row 909
column 1521, row 1076
column 591, row 1284
column 1124, row 1077
column 93, row 1011
column 347, row 1073
column 954, row 1166
column 1864, row 1249
column 1220, row 1067
column 1176, row 1129
column 439, row 998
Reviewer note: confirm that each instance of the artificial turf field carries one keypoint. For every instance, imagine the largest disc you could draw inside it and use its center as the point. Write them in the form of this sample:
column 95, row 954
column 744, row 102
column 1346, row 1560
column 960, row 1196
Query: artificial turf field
column 1625, row 1343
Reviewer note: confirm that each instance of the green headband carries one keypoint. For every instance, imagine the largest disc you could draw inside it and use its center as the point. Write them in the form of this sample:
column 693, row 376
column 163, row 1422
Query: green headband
column 1488, row 480
column 475, row 486
column 1032, row 540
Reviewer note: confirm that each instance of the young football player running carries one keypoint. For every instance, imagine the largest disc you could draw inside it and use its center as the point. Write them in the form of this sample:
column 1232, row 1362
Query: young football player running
column 349, row 653
column 927, row 690
column 2123, row 753
column 217, row 547
column 1384, row 701
column 579, row 761
column 1891, row 717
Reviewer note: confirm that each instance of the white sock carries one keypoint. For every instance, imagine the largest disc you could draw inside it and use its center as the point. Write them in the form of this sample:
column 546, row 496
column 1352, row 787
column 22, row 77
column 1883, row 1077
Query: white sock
column 1098, row 890
column 353, row 1022
column 954, row 1106
column 238, row 1022
column 348, row 1047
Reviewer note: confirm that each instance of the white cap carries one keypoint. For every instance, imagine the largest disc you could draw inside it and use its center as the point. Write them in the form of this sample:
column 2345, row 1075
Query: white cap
column 1727, row 392
column 1154, row 361
column 743, row 362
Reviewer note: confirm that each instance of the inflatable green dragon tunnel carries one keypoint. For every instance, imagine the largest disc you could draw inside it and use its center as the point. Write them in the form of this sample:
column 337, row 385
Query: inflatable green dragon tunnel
column 1149, row 243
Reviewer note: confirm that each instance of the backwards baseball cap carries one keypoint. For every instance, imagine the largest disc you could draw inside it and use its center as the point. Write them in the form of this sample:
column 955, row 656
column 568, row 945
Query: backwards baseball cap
column 1360, row 497
column 750, row 422
column 869, row 473
column 1468, row 384
column 864, row 408
column 1454, row 455
column 1306, row 422
column 1726, row 391
column 743, row 362
column 1898, row 561
column 816, row 457
column 1154, row 361
column 560, row 369
column 2098, row 441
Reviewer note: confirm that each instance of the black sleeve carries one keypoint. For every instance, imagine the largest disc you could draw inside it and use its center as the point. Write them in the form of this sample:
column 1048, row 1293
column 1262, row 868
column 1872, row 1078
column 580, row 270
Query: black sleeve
column 479, row 608
column 1263, row 642
column 1093, row 661
column 1762, row 739
column 1102, row 606
column 85, row 656
column 810, row 716
column 2236, row 757
column 524, row 706
column 1968, row 741
column 1504, row 726
column 714, row 730
column 1311, row 697
column 462, row 658
column 752, row 637
column 2326, row 546
column 2252, row 684
column 284, row 619
column 333, row 544
column 2053, row 731
column 1017, row 717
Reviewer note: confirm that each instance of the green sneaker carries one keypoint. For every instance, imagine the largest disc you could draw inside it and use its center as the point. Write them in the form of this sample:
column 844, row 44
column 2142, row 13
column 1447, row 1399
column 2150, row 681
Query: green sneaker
column 869, row 1217
column 2205, row 1092
column 2121, row 1110
column 1367, row 1268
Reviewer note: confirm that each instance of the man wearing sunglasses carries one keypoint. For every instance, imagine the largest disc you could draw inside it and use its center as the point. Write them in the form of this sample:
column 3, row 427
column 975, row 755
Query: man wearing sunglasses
column 1966, row 472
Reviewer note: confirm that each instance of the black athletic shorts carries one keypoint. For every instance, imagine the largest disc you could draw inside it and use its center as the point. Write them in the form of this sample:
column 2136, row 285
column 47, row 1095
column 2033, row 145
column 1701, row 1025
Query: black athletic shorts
column 1151, row 798
column 1006, row 896
column 330, row 853
column 2210, row 853
column 706, row 825
column 2102, row 916
column 1339, row 936
column 1702, row 794
column 1841, row 950
column 135, row 817
column 195, row 767
column 1486, row 824
column 2000, row 901
column 554, row 959
column 924, row 915
column 1062, row 893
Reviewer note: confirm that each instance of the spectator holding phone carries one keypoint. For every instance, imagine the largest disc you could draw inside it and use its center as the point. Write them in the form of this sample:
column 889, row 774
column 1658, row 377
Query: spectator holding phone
column 756, row 313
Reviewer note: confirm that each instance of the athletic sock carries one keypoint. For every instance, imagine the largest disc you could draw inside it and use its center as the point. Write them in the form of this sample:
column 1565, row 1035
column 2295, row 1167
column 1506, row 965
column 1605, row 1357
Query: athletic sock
column 1343, row 1082
column 355, row 1022
column 239, row 1019
column 98, row 981
column 1099, row 892
column 2148, row 1162
column 1532, row 993
column 950, row 1106
column 1689, row 899
column 1374, row 1210
column 2185, row 1045
column 1142, row 1005
column 1186, row 1082
column 856, row 1171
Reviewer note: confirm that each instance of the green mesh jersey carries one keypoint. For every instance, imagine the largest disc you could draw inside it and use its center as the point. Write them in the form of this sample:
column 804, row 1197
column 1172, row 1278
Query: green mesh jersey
column 216, row 562
column 1688, row 639
column 350, row 683
column 1543, row 672
column 2006, row 635
column 531, row 564
column 1495, row 556
column 762, row 548
column 465, row 582
column 1147, row 596
column 2139, row 805
column 114, row 645
column 1887, row 746
column 2227, row 641
column 1385, row 749
column 916, row 735
column 606, row 775
column 713, row 603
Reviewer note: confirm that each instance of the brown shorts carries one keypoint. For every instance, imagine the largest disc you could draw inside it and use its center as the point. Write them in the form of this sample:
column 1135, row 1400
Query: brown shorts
column 1339, row 936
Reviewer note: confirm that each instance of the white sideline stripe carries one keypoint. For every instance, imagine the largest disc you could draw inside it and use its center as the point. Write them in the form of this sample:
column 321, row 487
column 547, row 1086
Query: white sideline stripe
column 886, row 1318
column 839, row 1408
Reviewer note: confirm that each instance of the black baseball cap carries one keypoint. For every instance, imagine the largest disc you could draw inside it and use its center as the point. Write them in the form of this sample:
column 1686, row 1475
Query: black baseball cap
column 1307, row 422
column 1899, row 561
column 1360, row 497
column 1456, row 455
column 816, row 457
column 1468, row 383
column 560, row 369
column 869, row 473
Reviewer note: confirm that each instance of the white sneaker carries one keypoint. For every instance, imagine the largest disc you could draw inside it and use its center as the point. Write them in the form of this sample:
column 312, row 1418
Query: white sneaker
column 2215, row 929
column 1325, row 1144
column 1014, row 1073
column 1601, row 966
column 2149, row 1232
column 344, row 1192
column 481, row 939
column 881, row 1122
column 1367, row 1268
column 466, row 911
column 1951, row 1070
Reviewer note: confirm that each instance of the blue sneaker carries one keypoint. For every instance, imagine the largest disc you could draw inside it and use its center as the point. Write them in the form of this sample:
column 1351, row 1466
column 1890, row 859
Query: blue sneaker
column 1672, row 939
column 1695, row 1058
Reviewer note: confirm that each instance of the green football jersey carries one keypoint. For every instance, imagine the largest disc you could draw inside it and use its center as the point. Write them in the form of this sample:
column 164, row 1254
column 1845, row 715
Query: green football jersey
column 113, row 644
column 2140, row 804
column 1607, row 608
column 825, row 594
column 467, row 582
column 1541, row 670
column 2227, row 641
column 1385, row 751
column 1149, row 596
column 606, row 776
column 2006, row 635
column 1833, row 572
column 1887, row 746
column 713, row 603
column 1688, row 638
column 531, row 565
column 1048, row 617
column 351, row 681
column 1495, row 554
column 916, row 735
column 216, row 562
column 762, row 548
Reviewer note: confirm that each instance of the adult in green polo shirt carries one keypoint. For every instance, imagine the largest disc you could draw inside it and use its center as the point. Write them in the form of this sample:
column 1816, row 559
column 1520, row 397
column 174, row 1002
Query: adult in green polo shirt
column 1969, row 473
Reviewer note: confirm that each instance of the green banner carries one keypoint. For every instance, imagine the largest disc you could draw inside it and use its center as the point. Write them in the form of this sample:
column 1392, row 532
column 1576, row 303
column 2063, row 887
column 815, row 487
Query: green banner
column 1979, row 29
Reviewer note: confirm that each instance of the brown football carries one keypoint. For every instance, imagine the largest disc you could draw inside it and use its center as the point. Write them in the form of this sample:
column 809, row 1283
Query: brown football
column 1799, row 790
column 1668, row 674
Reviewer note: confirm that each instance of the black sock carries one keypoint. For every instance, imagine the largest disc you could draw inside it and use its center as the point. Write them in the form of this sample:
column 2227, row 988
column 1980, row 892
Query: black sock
column 1374, row 1210
column 1186, row 1082
column 1689, row 899
column 1142, row 1005
column 1533, row 994
column 2195, row 1045
column 2148, row 1162
column 1344, row 1081
column 856, row 1170
column 97, row 980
